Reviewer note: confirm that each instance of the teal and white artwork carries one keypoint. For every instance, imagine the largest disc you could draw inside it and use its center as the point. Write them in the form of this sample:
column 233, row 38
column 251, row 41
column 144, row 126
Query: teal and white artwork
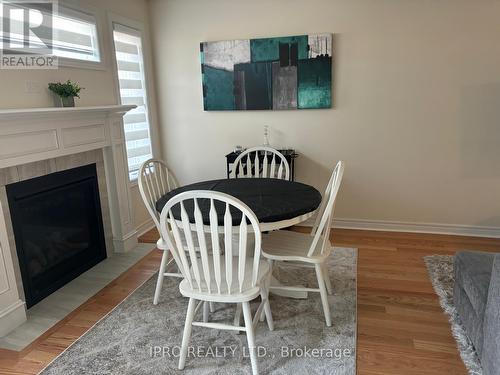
column 291, row 72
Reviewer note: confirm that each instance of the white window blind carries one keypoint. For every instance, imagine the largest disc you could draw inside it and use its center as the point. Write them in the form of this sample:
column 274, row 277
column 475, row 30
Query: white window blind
column 131, row 77
column 73, row 34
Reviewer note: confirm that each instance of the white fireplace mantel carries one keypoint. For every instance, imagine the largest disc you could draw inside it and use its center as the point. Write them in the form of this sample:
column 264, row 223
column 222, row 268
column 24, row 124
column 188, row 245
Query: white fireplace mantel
column 33, row 134
column 55, row 111
column 36, row 134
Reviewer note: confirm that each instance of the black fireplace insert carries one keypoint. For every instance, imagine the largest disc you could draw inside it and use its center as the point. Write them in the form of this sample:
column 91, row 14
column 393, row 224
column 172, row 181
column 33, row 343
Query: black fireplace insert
column 58, row 228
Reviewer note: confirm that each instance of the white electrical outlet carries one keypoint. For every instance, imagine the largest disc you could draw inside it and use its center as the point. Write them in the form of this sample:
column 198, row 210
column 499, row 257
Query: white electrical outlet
column 32, row 87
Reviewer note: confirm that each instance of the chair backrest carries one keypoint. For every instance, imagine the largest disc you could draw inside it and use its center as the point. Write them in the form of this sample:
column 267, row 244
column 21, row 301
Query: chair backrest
column 261, row 161
column 155, row 180
column 323, row 223
column 195, row 264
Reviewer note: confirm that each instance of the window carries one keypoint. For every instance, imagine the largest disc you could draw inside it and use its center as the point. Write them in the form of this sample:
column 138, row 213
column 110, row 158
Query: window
column 131, row 78
column 73, row 34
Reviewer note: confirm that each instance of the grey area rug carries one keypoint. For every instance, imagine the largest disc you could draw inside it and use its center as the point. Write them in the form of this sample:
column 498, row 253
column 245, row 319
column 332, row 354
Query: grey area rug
column 440, row 268
column 139, row 338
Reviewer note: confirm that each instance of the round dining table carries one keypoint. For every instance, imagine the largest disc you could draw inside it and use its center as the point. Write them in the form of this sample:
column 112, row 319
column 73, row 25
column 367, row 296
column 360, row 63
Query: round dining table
column 276, row 203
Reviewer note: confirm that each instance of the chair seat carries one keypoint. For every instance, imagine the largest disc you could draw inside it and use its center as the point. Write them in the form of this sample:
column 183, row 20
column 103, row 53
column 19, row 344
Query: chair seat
column 248, row 294
column 162, row 244
column 285, row 245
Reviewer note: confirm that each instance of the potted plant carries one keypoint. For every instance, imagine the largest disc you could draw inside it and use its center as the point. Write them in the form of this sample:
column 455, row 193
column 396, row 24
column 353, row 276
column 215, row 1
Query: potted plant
column 64, row 93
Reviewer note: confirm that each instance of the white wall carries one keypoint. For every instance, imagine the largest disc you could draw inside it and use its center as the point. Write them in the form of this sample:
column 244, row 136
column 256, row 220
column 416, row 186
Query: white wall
column 417, row 102
column 99, row 84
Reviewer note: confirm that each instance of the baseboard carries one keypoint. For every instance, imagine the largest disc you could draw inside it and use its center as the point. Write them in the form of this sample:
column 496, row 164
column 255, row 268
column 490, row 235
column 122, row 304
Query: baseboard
column 130, row 241
column 12, row 316
column 127, row 243
column 402, row 226
column 389, row 226
column 145, row 227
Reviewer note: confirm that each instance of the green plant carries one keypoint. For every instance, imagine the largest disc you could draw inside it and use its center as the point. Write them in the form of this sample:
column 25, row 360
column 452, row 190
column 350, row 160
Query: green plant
column 65, row 90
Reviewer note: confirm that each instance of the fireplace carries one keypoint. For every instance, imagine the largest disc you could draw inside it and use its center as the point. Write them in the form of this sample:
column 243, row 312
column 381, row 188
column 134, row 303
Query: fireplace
column 58, row 228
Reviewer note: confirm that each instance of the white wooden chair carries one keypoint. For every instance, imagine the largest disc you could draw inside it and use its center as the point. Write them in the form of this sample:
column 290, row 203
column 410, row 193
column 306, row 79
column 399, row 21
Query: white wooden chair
column 309, row 249
column 156, row 180
column 224, row 275
column 273, row 164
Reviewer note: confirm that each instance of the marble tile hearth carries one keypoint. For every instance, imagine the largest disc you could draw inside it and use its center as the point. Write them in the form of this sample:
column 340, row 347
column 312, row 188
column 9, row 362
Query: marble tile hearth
column 55, row 307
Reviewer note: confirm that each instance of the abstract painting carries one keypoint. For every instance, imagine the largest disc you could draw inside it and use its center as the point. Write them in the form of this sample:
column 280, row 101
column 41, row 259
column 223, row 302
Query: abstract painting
column 293, row 72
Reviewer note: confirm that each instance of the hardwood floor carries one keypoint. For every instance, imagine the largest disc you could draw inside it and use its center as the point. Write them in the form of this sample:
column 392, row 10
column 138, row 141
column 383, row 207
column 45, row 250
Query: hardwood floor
column 43, row 350
column 401, row 328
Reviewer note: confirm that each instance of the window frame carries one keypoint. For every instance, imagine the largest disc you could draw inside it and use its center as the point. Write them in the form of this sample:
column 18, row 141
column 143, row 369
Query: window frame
column 68, row 62
column 142, row 33
column 74, row 11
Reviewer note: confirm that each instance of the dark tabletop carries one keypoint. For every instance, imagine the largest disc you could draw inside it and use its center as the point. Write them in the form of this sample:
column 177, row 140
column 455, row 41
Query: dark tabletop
column 270, row 199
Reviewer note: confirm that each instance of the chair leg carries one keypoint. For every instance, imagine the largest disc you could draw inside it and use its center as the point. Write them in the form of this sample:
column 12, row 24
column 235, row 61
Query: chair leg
column 187, row 332
column 237, row 315
column 159, row 282
column 206, row 310
column 247, row 315
column 324, row 268
column 212, row 307
column 264, row 294
column 324, row 295
column 262, row 314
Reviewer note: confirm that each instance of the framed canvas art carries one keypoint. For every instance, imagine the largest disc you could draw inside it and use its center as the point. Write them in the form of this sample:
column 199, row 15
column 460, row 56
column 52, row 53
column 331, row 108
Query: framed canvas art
column 293, row 72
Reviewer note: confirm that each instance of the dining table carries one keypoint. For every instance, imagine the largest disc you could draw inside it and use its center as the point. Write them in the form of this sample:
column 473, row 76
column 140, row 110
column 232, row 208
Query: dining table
column 277, row 203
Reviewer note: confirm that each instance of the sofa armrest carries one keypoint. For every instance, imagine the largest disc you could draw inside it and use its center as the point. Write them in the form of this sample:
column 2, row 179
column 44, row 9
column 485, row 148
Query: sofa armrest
column 490, row 360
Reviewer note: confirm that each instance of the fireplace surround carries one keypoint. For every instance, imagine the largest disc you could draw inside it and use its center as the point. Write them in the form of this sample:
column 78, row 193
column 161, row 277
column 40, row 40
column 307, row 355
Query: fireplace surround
column 39, row 141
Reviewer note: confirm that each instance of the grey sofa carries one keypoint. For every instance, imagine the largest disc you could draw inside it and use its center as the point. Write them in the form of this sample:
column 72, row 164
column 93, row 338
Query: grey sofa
column 476, row 296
